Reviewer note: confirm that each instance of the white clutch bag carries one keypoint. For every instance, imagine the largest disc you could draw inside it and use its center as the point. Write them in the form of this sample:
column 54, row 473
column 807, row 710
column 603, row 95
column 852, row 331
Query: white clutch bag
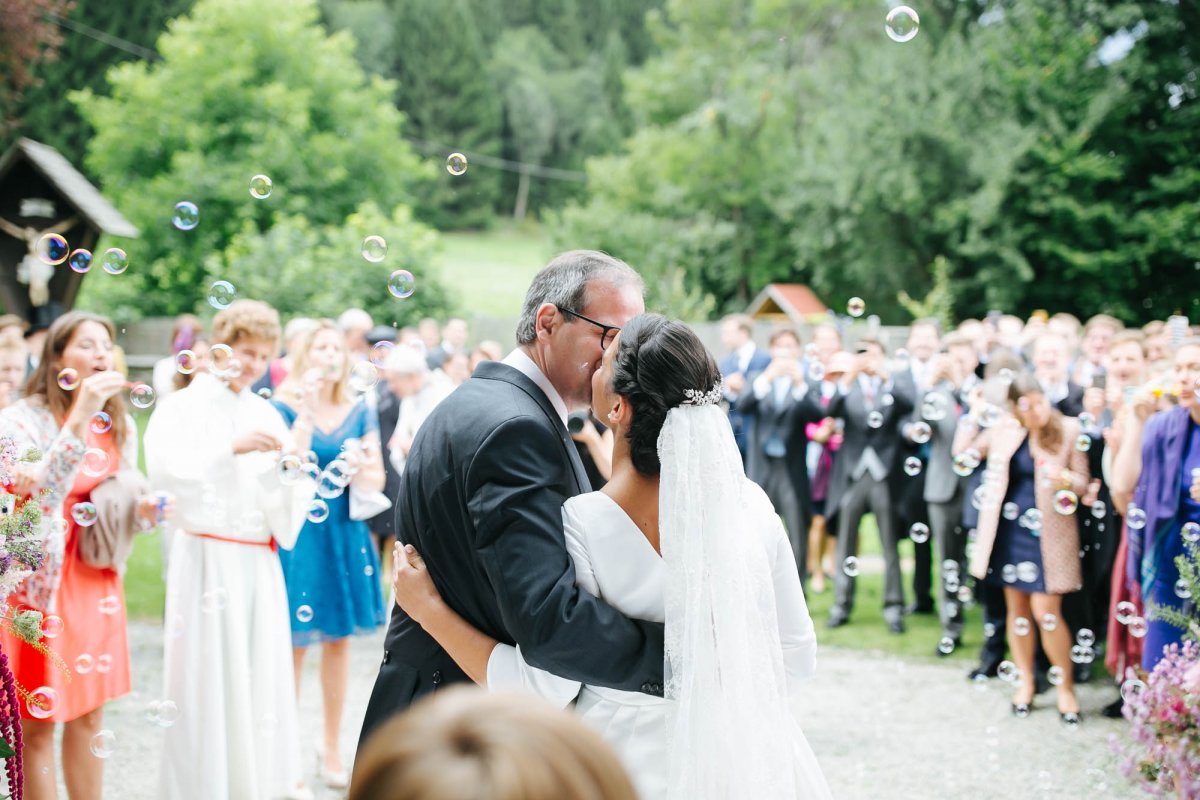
column 364, row 504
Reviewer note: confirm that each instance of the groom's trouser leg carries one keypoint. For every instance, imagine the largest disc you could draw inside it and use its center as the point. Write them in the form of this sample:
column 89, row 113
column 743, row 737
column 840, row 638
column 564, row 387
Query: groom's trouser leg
column 850, row 512
column 949, row 537
column 880, row 499
column 782, row 493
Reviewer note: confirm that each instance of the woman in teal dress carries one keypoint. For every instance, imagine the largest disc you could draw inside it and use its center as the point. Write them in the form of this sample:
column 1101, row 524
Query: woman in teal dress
column 333, row 585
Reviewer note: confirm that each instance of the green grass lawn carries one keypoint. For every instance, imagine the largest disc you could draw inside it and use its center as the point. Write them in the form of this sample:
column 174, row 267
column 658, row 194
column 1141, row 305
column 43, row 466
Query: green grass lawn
column 488, row 272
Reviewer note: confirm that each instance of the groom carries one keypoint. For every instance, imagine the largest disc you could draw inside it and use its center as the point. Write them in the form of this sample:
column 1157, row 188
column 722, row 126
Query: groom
column 482, row 501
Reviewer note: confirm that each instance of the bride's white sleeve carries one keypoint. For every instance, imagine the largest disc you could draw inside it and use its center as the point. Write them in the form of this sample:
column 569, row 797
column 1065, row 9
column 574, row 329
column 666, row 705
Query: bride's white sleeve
column 507, row 669
column 796, row 631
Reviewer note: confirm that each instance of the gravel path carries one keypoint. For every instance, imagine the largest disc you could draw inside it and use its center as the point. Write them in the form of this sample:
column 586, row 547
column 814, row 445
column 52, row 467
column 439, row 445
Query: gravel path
column 881, row 727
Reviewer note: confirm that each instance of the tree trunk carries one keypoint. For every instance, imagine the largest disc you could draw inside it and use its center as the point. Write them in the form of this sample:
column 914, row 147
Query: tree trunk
column 522, row 203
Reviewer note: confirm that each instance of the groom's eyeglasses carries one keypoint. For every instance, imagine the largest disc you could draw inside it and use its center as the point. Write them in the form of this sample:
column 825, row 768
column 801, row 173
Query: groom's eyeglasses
column 607, row 332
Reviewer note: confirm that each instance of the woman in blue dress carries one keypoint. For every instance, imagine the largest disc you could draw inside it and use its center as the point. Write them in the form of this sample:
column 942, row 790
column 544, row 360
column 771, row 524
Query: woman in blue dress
column 332, row 577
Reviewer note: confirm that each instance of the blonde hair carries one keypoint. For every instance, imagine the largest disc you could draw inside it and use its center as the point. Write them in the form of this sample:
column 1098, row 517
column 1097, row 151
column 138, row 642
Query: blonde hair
column 11, row 341
column 469, row 744
column 292, row 387
column 246, row 319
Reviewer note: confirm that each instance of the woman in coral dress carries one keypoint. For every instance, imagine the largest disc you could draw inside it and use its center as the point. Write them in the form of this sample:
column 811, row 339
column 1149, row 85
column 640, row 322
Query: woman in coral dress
column 74, row 415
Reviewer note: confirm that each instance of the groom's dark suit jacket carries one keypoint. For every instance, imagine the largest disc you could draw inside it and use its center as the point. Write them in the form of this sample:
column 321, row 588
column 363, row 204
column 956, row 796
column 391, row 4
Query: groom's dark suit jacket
column 482, row 500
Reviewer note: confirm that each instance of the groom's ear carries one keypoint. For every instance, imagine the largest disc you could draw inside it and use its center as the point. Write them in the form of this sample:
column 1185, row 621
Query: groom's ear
column 547, row 319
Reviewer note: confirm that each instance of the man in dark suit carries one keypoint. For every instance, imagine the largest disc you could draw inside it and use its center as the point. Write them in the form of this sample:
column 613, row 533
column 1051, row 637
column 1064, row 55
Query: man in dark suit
column 871, row 408
column 908, row 490
column 1051, row 368
column 742, row 359
column 482, row 500
column 776, row 407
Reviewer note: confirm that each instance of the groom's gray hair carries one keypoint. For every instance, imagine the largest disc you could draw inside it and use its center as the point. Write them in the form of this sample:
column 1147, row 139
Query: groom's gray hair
column 564, row 282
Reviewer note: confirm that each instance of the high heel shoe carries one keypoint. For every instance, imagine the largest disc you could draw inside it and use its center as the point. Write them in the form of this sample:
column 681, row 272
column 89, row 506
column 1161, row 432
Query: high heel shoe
column 1071, row 719
column 334, row 779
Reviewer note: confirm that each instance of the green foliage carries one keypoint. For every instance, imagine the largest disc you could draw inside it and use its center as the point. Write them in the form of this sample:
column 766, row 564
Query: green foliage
column 243, row 88
column 278, row 266
column 1188, row 565
column 938, row 304
column 801, row 144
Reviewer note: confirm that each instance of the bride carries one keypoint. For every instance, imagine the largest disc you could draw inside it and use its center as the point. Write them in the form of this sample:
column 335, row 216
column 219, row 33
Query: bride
column 678, row 535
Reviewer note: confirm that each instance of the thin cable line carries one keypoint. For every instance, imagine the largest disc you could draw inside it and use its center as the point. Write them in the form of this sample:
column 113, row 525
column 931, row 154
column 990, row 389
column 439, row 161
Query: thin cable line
column 104, row 38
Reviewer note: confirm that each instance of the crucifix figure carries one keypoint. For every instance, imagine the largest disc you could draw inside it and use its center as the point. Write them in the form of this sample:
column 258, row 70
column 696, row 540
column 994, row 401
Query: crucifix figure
column 32, row 270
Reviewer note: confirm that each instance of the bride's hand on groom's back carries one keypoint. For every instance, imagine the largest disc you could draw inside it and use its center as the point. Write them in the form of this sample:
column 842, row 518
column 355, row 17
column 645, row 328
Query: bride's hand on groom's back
column 415, row 592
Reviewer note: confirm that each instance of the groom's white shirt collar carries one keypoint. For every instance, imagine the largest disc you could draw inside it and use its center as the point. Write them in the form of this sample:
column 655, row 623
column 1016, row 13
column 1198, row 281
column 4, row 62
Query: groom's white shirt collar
column 519, row 360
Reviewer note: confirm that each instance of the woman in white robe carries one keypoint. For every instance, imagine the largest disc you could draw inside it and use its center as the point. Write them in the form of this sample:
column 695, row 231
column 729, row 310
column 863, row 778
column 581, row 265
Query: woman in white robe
column 228, row 658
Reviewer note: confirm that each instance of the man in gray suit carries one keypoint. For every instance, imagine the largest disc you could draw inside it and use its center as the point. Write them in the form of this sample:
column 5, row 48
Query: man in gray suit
column 944, row 491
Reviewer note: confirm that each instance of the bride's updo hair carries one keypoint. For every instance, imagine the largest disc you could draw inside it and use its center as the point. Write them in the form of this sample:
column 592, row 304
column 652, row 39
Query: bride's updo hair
column 656, row 361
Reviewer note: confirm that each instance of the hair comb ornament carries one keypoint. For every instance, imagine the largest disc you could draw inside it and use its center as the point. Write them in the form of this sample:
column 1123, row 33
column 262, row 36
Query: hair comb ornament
column 699, row 397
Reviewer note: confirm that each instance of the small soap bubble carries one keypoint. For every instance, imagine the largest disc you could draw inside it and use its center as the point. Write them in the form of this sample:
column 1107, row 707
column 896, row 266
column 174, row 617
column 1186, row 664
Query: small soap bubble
column 84, row 663
column 42, row 702
column 919, row 532
column 1099, row 509
column 1082, row 655
column 1190, row 532
column 221, row 360
column 1135, row 518
column 374, row 249
column 363, row 376
column 921, row 432
column 456, row 164
column 912, row 466
column 1031, row 519
column 1182, row 590
column 1005, row 375
column 318, row 511
column 80, row 261
column 260, row 187
column 1138, row 627
column 902, row 24
column 1008, row 672
column 855, row 307
column 1131, row 688
column 1049, row 622
column 68, row 379
column 816, row 371
column 186, row 216
column 221, row 294
column 1010, row 511
column 1027, row 572
column 945, row 645
column 109, row 604
column 84, row 514
column 989, row 416
column 104, row 744
column 185, row 362
column 850, row 566
column 141, row 395
column 1065, row 502
column 402, row 284
column 52, row 249
column 289, row 470
column 875, row 419
column 1125, row 611
column 104, row 663
column 379, row 352
column 52, row 626
column 1009, row 573
column 168, row 713
column 1055, row 676
column 101, row 422
column 95, row 462
column 304, row 614
column 933, row 408
column 1083, row 443
column 1021, row 626
column 368, row 570
column 114, row 261
column 214, row 600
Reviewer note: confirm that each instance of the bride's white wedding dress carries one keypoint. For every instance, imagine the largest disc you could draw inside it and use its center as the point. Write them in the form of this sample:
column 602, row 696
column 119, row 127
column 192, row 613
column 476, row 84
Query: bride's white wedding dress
column 614, row 561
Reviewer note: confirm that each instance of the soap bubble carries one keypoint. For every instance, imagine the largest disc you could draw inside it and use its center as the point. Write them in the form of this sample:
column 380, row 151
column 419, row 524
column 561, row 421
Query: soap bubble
column 989, row 416
column 456, row 164
column 1065, row 502
column 1099, row 509
column 1182, row 590
column 374, row 249
column 855, row 307
column 1125, row 611
column 402, row 284
column 1135, row 518
column 167, row 713
column 1131, row 688
column 186, row 216
column 221, row 360
column 214, row 600
column 920, row 432
column 52, row 626
column 902, row 24
column 912, row 466
column 185, row 362
column 84, row 663
column 1027, row 572
column 1009, row 573
column 52, row 249
column 260, row 187
column 318, row 511
column 109, row 604
column 80, row 261
column 104, row 663
column 1085, row 637
column 380, row 351
column 1138, row 627
column 850, row 566
column 68, row 379
column 221, row 294
column 1010, row 511
column 115, row 261
column 363, row 376
column 104, row 744
column 101, row 422
column 42, row 702
column 95, row 462
column 289, row 470
column 1082, row 655
column 1008, row 672
column 1083, row 443
column 1190, row 532
column 1031, row 519
column 1021, row 626
column 1049, row 623
column 875, row 419
column 919, row 532
column 1056, row 675
column 141, row 395
column 84, row 514
column 304, row 613
column 933, row 408
column 945, row 645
